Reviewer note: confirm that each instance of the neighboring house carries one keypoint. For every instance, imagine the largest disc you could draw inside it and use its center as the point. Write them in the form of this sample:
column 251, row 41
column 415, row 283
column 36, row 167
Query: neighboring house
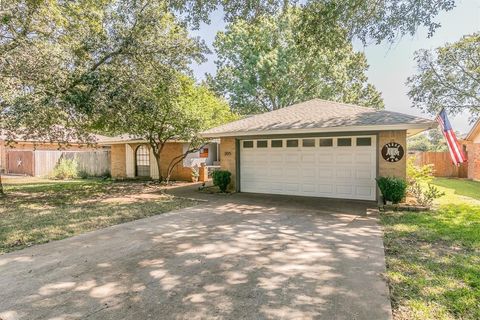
column 472, row 145
column 317, row 148
column 29, row 157
column 133, row 158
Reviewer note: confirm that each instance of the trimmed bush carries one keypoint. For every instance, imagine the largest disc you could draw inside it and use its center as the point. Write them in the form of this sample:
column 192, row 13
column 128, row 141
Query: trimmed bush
column 65, row 169
column 392, row 188
column 221, row 179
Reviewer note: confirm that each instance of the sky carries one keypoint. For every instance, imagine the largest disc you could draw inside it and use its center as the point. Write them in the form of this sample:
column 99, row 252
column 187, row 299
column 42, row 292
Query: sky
column 390, row 64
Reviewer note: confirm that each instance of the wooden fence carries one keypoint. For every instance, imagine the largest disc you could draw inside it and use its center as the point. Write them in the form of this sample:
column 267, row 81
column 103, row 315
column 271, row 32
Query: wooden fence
column 442, row 162
column 94, row 163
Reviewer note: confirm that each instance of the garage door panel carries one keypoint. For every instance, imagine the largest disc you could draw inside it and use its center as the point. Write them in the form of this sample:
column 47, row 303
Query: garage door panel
column 324, row 158
column 325, row 173
column 343, row 173
column 338, row 172
column 364, row 191
column 361, row 173
column 292, row 158
column 344, row 190
column 309, row 188
column 276, row 158
column 292, row 187
column 344, row 158
column 308, row 160
column 291, row 173
column 325, row 188
column 364, row 158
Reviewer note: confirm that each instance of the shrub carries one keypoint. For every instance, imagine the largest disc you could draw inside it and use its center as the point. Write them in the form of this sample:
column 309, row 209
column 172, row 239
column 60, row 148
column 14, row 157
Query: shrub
column 393, row 189
column 65, row 169
column 82, row 174
column 418, row 177
column 221, row 178
column 423, row 174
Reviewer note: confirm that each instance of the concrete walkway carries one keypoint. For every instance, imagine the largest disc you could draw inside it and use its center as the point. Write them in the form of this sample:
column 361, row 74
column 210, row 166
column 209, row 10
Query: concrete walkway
column 236, row 257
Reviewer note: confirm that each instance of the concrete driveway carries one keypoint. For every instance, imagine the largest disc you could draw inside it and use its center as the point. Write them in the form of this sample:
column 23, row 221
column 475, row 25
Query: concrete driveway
column 236, row 257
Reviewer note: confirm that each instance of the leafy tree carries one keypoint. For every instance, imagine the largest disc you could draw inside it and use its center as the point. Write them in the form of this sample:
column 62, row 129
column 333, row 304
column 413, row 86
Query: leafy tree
column 432, row 140
column 437, row 140
column 58, row 58
column 448, row 77
column 419, row 142
column 161, row 108
column 367, row 20
column 264, row 67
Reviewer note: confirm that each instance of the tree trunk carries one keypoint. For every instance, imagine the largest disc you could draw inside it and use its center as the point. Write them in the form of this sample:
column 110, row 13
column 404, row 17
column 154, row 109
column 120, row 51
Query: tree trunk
column 2, row 193
column 175, row 161
column 157, row 157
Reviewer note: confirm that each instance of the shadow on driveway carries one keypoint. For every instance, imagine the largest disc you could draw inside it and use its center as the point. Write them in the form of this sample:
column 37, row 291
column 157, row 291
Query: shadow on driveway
column 241, row 256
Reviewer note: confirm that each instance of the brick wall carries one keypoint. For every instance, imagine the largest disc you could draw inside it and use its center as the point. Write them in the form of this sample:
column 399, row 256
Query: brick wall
column 228, row 159
column 170, row 151
column 392, row 169
column 473, row 150
column 118, row 168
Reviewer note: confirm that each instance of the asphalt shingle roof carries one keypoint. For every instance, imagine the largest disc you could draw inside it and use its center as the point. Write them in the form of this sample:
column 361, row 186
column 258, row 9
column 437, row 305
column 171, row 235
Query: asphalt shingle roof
column 317, row 114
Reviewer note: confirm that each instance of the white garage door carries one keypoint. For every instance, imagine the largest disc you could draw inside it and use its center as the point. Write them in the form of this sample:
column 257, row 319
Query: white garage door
column 335, row 167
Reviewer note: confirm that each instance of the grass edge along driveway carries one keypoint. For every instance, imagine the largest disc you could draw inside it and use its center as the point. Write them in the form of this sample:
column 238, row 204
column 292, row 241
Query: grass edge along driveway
column 433, row 258
column 38, row 211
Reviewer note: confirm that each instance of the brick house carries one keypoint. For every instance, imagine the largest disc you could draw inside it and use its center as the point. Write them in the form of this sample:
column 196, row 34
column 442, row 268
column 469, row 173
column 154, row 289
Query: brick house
column 133, row 158
column 472, row 145
column 317, row 148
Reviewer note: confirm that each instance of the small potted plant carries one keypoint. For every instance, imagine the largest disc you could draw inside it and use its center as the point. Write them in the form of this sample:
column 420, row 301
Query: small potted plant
column 195, row 174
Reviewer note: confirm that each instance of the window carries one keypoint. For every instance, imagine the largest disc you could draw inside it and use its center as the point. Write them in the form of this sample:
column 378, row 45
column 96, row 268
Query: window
column 248, row 144
column 292, row 143
column 204, row 152
column 142, row 161
column 262, row 144
column 344, row 142
column 277, row 143
column 308, row 142
column 362, row 142
column 328, row 142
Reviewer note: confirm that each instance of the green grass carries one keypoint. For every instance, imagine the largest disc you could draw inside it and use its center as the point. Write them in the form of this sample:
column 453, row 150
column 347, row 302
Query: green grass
column 458, row 191
column 38, row 211
column 433, row 258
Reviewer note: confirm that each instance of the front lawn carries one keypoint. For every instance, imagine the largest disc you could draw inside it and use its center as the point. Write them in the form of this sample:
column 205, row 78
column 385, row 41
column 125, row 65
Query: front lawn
column 37, row 210
column 433, row 258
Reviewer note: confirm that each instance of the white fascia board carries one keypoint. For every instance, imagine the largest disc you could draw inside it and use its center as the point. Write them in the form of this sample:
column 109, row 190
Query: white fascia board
column 414, row 126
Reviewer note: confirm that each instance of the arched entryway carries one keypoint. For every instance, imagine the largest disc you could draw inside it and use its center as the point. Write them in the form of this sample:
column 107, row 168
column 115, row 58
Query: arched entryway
column 142, row 161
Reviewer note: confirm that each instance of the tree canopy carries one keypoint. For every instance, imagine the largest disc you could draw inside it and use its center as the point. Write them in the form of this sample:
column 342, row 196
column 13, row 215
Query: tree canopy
column 60, row 60
column 448, row 77
column 160, row 107
column 263, row 66
column 367, row 20
column 57, row 57
column 431, row 140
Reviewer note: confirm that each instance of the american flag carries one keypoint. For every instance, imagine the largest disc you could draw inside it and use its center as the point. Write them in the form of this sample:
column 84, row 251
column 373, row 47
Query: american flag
column 454, row 147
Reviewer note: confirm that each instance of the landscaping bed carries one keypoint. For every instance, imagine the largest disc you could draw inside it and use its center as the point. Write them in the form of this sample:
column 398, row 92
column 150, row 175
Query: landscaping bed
column 37, row 210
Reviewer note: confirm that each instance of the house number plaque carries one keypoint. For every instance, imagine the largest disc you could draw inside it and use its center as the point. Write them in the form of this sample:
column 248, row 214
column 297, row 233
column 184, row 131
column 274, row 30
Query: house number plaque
column 393, row 152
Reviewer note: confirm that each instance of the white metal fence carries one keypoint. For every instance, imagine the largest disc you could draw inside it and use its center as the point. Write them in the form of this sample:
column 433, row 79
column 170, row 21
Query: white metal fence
column 93, row 163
